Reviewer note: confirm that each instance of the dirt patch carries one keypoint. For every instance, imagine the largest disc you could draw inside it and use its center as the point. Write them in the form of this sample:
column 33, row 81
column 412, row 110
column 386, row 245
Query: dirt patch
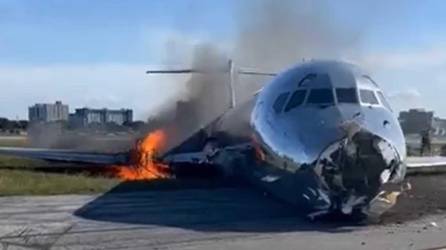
column 427, row 197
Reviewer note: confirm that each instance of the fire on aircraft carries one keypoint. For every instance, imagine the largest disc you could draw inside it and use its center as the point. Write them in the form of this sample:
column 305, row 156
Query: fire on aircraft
column 320, row 135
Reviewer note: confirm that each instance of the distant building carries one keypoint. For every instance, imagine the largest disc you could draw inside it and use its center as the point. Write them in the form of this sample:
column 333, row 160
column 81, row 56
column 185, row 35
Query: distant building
column 85, row 116
column 439, row 126
column 45, row 112
column 416, row 121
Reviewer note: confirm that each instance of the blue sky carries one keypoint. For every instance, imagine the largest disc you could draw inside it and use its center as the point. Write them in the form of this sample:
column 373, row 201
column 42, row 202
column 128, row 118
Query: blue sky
column 94, row 53
column 46, row 32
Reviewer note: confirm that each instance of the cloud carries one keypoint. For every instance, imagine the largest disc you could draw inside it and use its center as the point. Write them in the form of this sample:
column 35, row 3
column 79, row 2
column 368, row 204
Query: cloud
column 93, row 85
column 426, row 57
column 406, row 99
column 407, row 94
column 99, row 85
column 413, row 77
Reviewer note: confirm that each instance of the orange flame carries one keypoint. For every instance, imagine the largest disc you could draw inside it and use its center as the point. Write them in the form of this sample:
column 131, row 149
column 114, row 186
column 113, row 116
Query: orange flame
column 143, row 159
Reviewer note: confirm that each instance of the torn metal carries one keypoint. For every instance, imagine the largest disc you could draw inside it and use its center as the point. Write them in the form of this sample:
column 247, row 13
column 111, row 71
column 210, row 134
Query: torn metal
column 352, row 171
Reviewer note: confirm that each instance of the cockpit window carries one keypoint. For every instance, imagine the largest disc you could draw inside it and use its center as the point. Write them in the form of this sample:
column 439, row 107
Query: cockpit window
column 297, row 98
column 321, row 96
column 384, row 100
column 280, row 102
column 346, row 95
column 368, row 97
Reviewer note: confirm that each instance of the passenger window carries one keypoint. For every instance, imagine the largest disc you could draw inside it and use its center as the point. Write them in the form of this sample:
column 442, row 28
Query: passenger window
column 384, row 100
column 297, row 98
column 280, row 102
column 368, row 97
column 346, row 95
column 321, row 96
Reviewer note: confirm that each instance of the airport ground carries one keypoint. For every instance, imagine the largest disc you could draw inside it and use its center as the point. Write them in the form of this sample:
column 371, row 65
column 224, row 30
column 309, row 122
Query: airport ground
column 89, row 211
column 19, row 176
column 13, row 141
column 215, row 217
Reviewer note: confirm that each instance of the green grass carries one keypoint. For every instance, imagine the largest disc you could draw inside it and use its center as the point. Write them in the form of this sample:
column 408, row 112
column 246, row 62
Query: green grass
column 16, row 162
column 20, row 176
column 13, row 142
column 25, row 182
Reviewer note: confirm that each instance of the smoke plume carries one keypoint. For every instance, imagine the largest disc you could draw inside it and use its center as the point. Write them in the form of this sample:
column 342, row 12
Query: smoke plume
column 271, row 35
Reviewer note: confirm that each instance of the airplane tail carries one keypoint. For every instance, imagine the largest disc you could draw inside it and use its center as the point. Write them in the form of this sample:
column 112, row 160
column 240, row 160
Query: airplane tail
column 228, row 69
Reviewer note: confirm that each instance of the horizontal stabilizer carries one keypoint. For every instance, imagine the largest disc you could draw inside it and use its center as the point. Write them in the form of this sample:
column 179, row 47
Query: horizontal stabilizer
column 187, row 71
column 207, row 71
column 228, row 69
column 255, row 73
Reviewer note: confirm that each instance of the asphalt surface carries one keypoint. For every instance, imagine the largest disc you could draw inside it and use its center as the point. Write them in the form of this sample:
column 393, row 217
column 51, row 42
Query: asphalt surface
column 213, row 218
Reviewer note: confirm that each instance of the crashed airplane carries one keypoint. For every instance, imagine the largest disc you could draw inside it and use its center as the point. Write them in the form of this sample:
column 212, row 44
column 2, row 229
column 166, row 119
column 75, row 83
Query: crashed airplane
column 320, row 135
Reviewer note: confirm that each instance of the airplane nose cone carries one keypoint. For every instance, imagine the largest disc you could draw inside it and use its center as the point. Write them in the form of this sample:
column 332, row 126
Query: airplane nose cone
column 353, row 170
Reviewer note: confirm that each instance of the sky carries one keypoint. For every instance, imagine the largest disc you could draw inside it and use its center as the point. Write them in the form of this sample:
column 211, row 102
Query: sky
column 95, row 53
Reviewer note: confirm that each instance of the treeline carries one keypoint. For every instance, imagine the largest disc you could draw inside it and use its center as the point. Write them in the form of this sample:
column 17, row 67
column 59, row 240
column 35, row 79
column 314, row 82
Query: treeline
column 13, row 126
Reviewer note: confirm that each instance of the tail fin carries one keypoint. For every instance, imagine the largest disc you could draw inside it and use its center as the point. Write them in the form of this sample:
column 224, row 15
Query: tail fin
column 233, row 72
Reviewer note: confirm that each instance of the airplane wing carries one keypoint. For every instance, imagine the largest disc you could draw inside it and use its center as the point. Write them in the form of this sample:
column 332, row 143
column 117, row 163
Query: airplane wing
column 65, row 155
column 426, row 164
column 415, row 165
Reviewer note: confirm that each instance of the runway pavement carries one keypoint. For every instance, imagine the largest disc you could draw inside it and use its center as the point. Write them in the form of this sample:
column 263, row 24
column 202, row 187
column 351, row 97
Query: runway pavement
column 216, row 218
